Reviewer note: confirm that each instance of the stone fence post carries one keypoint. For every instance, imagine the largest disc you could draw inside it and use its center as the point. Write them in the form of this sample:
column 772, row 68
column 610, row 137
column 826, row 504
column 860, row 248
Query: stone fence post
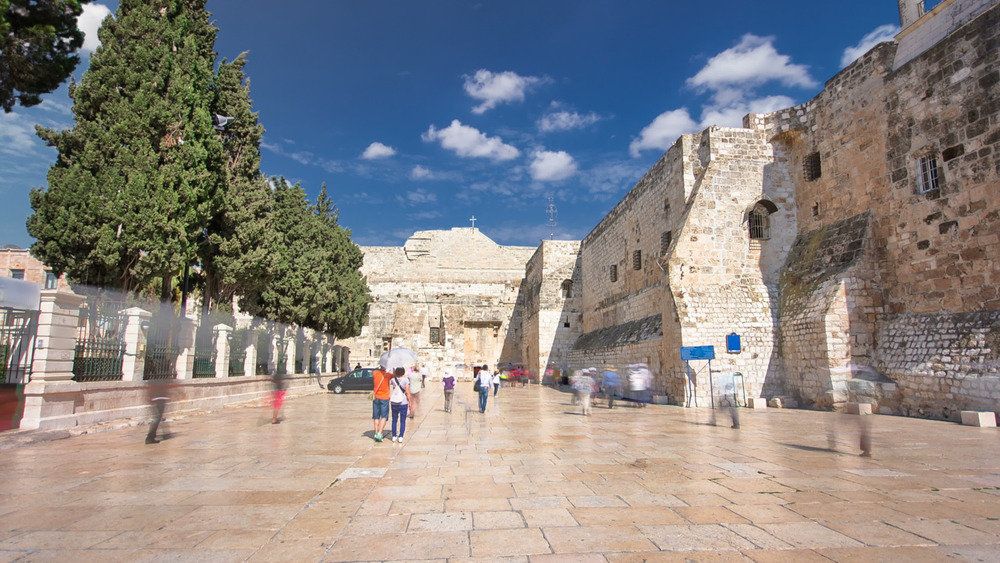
column 136, row 331
column 290, row 352
column 250, row 362
column 51, row 393
column 222, row 334
column 186, row 329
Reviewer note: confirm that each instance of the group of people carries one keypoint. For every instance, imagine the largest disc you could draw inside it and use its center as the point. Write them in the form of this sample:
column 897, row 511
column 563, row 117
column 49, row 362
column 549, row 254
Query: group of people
column 398, row 392
column 587, row 383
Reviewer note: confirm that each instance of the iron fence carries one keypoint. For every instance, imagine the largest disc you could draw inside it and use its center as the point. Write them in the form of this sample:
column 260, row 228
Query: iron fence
column 100, row 344
column 237, row 353
column 161, row 352
column 204, row 354
column 263, row 353
column 17, row 344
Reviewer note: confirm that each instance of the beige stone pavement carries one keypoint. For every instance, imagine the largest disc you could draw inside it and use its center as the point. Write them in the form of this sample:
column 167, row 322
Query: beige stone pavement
column 530, row 480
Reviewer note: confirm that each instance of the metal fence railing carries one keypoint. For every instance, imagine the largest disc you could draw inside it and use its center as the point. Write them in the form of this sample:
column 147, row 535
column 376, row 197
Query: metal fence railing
column 17, row 344
column 100, row 344
column 237, row 352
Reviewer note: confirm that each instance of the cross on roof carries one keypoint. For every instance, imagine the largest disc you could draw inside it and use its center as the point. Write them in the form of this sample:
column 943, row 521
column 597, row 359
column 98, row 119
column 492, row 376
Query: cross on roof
column 473, row 221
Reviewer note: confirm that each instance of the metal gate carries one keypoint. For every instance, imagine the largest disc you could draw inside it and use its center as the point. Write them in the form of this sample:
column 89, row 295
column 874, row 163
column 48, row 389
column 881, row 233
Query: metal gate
column 100, row 343
column 17, row 344
column 19, row 301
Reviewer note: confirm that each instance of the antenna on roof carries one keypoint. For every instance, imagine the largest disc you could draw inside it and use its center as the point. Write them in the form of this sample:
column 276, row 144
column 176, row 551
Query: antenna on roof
column 552, row 218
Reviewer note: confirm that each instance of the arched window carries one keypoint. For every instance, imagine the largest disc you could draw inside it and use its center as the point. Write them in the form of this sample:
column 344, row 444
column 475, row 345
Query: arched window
column 567, row 289
column 759, row 219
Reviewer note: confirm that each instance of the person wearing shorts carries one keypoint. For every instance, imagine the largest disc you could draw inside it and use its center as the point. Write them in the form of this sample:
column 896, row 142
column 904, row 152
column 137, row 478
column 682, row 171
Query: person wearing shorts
column 380, row 404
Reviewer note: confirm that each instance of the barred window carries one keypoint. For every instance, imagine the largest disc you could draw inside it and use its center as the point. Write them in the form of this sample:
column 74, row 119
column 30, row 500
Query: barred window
column 927, row 174
column 614, row 272
column 435, row 338
column 811, row 167
column 759, row 224
column 636, row 259
column 665, row 239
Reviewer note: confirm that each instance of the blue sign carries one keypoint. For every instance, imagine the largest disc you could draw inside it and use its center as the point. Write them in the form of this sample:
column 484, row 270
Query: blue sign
column 697, row 352
column 733, row 343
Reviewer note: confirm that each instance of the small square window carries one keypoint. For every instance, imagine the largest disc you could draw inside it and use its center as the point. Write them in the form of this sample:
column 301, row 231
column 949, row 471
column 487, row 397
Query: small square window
column 614, row 272
column 51, row 280
column 811, row 167
column 435, row 337
column 927, row 174
column 636, row 259
column 17, row 274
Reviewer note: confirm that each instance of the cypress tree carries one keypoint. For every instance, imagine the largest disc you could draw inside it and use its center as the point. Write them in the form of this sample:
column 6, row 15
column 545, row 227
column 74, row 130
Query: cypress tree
column 137, row 176
column 236, row 257
column 38, row 44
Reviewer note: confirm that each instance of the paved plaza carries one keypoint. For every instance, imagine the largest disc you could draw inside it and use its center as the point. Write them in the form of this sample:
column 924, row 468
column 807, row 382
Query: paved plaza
column 530, row 480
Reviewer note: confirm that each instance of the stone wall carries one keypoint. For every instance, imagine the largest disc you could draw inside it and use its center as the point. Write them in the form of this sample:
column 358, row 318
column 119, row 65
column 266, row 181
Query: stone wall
column 458, row 284
column 552, row 320
column 930, row 250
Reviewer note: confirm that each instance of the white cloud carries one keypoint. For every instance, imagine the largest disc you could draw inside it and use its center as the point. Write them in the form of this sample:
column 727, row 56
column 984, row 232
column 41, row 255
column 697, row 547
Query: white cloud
column 565, row 121
column 377, row 150
column 663, row 131
column 421, row 173
column 17, row 134
column 752, row 62
column 469, row 142
column 496, row 88
column 552, row 166
column 732, row 78
column 417, row 197
column 882, row 33
column 89, row 22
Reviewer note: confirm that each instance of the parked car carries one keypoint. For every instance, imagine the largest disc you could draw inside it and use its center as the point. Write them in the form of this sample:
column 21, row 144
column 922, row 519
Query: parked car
column 360, row 379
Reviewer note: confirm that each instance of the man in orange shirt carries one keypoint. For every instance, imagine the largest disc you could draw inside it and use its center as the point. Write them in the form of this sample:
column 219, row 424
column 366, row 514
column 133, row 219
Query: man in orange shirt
column 380, row 405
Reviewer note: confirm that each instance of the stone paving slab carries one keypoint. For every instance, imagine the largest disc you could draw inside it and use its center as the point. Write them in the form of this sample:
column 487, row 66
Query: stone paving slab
column 530, row 480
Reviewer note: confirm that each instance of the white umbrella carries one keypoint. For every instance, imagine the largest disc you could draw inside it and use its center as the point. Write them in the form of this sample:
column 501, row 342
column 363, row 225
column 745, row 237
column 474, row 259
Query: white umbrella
column 397, row 358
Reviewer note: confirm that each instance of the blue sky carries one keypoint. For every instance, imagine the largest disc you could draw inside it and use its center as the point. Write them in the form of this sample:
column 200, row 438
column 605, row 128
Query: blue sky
column 422, row 114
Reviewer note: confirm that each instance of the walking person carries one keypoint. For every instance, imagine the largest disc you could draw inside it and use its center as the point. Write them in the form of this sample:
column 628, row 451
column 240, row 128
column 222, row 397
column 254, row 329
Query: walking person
column 584, row 389
column 611, row 384
column 380, row 402
column 485, row 381
column 277, row 396
column 399, row 400
column 156, row 392
column 416, row 384
column 449, row 389
column 496, row 383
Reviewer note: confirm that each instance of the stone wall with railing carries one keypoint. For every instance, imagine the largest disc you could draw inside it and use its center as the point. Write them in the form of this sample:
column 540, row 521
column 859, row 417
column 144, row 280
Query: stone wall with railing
column 102, row 373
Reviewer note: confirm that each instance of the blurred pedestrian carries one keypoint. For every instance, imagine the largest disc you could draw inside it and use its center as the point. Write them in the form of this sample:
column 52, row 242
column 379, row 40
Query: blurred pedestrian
column 496, row 382
column 485, row 382
column 416, row 384
column 585, row 389
column 158, row 396
column 380, row 401
column 611, row 384
column 449, row 389
column 399, row 400
column 277, row 396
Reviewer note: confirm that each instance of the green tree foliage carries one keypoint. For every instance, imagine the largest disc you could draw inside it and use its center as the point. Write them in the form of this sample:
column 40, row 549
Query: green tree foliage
column 38, row 44
column 137, row 177
column 315, row 280
column 235, row 259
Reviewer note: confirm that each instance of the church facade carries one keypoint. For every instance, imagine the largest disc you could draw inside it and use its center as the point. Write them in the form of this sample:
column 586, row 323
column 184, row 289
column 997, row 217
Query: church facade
column 849, row 245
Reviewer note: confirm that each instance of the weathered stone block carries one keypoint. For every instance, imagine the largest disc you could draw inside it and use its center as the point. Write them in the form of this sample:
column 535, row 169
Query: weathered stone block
column 981, row 419
column 756, row 403
column 858, row 408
